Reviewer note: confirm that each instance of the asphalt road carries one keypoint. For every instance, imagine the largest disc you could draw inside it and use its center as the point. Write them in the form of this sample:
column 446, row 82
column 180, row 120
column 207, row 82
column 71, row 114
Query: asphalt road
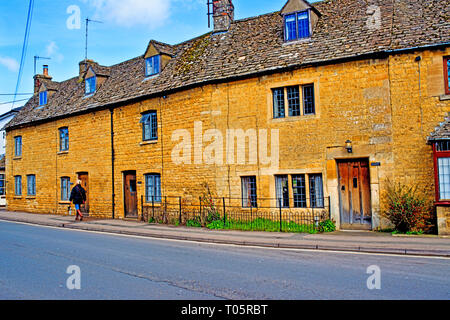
column 34, row 262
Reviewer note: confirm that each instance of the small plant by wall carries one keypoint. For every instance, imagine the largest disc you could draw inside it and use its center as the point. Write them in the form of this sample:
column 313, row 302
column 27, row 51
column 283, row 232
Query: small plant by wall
column 407, row 209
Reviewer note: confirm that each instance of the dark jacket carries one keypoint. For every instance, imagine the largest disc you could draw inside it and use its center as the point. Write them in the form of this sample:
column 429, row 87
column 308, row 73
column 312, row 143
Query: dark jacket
column 78, row 195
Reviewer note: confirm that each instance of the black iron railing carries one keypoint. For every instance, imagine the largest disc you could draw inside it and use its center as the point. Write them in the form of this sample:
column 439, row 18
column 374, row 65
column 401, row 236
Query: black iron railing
column 264, row 214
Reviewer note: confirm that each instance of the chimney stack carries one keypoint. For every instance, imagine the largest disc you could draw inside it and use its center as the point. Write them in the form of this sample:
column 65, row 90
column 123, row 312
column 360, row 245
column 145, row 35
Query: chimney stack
column 40, row 77
column 223, row 14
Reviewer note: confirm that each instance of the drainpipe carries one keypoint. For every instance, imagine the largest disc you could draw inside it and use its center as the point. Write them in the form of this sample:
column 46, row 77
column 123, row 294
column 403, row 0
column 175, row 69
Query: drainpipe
column 112, row 160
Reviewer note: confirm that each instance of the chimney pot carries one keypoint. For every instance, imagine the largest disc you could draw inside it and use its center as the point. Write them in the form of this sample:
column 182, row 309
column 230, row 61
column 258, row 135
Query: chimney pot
column 45, row 70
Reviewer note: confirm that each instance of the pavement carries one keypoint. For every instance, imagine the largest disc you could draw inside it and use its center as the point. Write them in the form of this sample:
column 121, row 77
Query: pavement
column 347, row 241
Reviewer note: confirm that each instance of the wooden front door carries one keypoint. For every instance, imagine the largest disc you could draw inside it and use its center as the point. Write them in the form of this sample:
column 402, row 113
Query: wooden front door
column 354, row 194
column 130, row 194
column 84, row 177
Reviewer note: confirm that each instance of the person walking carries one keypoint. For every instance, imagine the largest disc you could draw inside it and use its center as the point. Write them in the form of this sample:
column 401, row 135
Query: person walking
column 78, row 197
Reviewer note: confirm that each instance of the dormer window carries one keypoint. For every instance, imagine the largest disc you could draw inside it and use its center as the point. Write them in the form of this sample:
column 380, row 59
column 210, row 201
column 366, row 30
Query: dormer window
column 152, row 65
column 43, row 98
column 90, row 85
column 296, row 25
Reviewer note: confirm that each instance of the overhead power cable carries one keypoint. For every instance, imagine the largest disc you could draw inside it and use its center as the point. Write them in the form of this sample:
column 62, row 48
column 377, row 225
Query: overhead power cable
column 16, row 94
column 24, row 47
column 2, row 103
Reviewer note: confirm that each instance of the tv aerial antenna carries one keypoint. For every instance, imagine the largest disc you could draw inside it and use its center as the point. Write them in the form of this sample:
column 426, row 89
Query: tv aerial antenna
column 36, row 58
column 86, row 46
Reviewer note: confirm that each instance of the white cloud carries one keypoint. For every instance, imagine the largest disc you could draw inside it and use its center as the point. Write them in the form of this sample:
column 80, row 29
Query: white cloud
column 52, row 51
column 10, row 63
column 128, row 13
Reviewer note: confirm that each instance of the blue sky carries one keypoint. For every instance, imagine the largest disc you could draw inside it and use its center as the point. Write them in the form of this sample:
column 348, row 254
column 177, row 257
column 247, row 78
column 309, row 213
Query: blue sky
column 127, row 27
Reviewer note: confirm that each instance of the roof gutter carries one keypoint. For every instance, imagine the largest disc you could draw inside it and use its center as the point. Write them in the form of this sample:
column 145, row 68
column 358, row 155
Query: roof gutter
column 443, row 44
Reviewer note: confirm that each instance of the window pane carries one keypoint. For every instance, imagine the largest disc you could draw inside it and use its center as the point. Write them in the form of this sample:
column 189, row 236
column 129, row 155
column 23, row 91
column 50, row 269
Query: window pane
column 145, row 118
column 443, row 145
column 2, row 184
column 153, row 187
column 148, row 66
column 31, row 185
column 18, row 146
column 154, row 126
column 158, row 188
column 149, row 126
column 281, row 185
column 155, row 64
column 444, row 178
column 43, row 98
column 448, row 72
column 249, row 192
column 290, row 27
column 293, row 96
column 65, row 189
column 90, row 85
column 63, row 139
column 299, row 190
column 308, row 99
column 316, row 190
column 303, row 24
column 18, row 185
column 152, row 65
column 146, row 128
column 278, row 103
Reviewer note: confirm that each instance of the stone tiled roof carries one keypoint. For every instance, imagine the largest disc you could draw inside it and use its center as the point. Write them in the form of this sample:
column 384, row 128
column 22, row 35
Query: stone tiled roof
column 163, row 47
column 442, row 132
column 255, row 45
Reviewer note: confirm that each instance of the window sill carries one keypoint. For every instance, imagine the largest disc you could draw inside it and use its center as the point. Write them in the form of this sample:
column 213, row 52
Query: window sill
column 17, row 158
column 150, row 77
column 17, row 197
column 296, row 41
column 64, row 202
column 149, row 204
column 442, row 203
column 444, row 97
column 30, row 197
column 89, row 95
column 296, row 118
column 62, row 152
column 143, row 143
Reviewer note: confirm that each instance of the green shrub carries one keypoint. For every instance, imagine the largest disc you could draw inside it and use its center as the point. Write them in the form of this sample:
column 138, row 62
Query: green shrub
column 327, row 226
column 216, row 224
column 194, row 223
column 212, row 216
column 406, row 209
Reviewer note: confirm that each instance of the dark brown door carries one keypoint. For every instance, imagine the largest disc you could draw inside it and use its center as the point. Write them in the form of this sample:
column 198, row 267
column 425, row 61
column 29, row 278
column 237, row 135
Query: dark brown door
column 354, row 194
column 84, row 177
column 130, row 194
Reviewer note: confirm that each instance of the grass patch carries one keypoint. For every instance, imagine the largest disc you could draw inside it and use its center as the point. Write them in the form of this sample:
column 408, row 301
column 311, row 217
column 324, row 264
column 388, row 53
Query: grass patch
column 260, row 224
column 420, row 232
column 193, row 223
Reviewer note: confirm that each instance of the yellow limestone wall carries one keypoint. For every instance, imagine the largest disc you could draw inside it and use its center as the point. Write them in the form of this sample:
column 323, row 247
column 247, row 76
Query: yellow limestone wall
column 386, row 107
